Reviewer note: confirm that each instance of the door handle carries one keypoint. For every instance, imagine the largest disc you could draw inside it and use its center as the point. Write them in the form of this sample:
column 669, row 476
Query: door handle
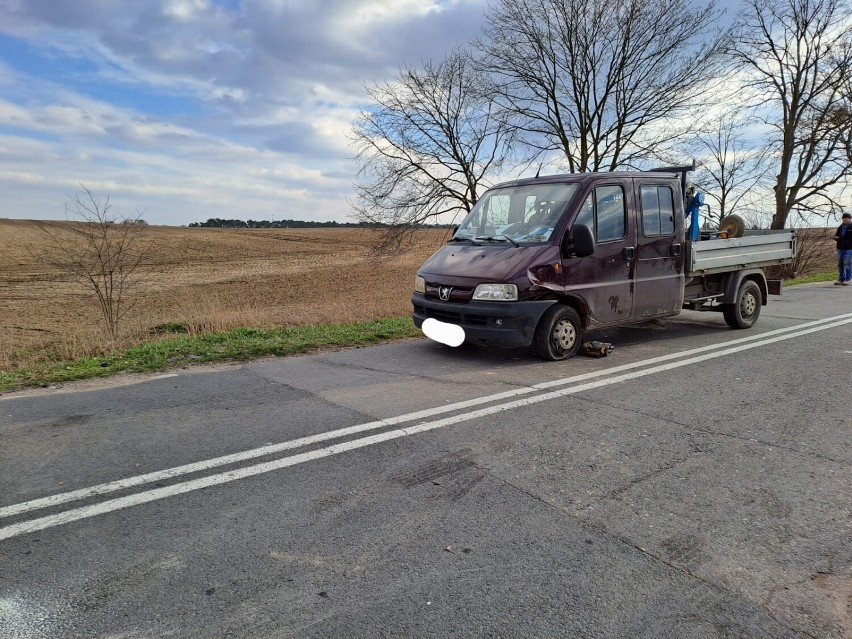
column 675, row 248
column 629, row 253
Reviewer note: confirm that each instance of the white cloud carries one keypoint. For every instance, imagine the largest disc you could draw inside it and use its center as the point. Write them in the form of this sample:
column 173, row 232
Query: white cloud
column 189, row 107
column 185, row 9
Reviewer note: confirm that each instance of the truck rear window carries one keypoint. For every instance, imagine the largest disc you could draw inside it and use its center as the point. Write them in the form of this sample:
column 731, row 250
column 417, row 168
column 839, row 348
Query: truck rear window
column 657, row 210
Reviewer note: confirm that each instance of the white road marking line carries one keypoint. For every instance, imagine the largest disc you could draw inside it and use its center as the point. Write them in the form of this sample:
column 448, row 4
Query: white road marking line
column 335, row 449
column 169, row 473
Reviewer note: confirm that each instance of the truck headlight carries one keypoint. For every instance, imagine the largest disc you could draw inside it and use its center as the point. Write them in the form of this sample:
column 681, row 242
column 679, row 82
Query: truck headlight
column 419, row 284
column 496, row 292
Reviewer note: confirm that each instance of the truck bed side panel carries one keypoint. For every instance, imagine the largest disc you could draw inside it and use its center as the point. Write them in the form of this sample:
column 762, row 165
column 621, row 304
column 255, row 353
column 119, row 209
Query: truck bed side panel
column 759, row 250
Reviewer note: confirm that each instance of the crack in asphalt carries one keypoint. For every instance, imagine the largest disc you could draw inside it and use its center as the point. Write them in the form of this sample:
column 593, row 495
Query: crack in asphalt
column 774, row 590
column 707, row 431
column 599, row 529
column 616, row 493
column 791, row 449
column 422, row 376
column 360, row 416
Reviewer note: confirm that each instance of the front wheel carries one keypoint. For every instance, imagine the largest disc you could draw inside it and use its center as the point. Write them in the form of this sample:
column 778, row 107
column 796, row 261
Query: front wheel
column 745, row 311
column 558, row 333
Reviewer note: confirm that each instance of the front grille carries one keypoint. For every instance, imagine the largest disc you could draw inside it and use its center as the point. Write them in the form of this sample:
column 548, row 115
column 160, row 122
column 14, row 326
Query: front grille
column 458, row 294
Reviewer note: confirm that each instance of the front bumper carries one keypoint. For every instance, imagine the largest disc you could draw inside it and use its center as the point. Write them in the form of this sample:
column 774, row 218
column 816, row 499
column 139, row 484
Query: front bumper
column 496, row 323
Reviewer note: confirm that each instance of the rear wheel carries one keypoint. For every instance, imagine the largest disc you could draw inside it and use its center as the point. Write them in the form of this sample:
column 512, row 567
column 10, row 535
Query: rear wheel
column 745, row 311
column 558, row 333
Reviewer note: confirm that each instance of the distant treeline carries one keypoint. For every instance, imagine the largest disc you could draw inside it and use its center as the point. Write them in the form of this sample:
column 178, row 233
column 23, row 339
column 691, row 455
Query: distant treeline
column 296, row 224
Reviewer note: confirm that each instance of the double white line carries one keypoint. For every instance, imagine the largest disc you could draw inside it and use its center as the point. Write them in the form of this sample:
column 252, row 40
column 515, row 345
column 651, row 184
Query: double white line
column 576, row 384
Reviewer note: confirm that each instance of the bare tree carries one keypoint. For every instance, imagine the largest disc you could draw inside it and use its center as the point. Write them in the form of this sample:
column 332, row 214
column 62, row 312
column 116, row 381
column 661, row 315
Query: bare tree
column 812, row 246
column 104, row 251
column 602, row 82
column 799, row 57
column 426, row 146
column 731, row 161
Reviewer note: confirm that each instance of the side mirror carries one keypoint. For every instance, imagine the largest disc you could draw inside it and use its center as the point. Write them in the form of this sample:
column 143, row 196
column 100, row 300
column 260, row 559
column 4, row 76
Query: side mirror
column 583, row 240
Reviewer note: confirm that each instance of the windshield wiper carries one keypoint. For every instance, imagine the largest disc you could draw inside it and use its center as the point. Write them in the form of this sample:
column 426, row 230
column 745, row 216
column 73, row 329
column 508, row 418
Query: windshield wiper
column 463, row 239
column 498, row 238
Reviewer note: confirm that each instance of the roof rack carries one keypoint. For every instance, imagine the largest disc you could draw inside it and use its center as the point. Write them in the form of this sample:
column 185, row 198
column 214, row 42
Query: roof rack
column 683, row 170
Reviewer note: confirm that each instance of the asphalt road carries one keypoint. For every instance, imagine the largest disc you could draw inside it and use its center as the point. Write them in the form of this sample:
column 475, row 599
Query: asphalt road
column 695, row 483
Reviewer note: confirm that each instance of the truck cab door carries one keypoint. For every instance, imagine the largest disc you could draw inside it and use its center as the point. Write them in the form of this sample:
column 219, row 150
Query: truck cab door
column 604, row 280
column 659, row 250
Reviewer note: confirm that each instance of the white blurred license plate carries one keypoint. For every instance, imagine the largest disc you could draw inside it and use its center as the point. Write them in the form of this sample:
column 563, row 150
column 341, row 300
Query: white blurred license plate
column 448, row 334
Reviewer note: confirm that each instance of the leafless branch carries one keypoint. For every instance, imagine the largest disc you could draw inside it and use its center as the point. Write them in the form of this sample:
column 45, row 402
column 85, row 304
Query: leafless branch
column 604, row 83
column 106, row 252
column 426, row 146
column 799, row 57
column 733, row 161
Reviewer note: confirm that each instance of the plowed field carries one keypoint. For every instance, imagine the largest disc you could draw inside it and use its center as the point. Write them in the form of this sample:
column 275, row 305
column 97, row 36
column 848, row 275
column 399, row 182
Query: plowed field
column 208, row 279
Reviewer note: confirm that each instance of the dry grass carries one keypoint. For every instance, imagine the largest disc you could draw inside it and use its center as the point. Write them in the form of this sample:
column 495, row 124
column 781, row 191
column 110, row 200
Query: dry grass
column 207, row 280
column 815, row 253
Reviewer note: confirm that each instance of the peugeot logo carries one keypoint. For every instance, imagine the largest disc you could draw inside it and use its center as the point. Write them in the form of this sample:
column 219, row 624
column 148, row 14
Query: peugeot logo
column 444, row 292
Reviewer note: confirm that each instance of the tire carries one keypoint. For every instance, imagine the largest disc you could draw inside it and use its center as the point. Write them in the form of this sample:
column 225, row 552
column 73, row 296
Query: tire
column 733, row 225
column 745, row 311
column 558, row 333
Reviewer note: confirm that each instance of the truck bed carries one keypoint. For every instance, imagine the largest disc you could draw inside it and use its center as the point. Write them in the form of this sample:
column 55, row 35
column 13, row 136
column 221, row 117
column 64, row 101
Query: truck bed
column 756, row 249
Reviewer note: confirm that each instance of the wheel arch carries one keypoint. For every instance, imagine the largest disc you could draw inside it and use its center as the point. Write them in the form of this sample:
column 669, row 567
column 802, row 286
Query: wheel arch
column 735, row 280
column 575, row 302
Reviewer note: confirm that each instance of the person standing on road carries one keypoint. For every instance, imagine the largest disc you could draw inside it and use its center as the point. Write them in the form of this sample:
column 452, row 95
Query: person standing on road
column 843, row 237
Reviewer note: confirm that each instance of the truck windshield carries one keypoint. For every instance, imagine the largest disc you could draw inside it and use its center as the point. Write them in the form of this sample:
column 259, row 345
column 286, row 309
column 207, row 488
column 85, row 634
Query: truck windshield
column 517, row 214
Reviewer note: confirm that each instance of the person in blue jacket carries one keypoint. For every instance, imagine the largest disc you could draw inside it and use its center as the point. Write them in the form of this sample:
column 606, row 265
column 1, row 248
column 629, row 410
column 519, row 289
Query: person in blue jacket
column 843, row 237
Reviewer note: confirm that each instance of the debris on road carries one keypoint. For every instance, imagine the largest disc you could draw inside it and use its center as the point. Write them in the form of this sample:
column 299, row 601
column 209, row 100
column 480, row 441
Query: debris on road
column 596, row 349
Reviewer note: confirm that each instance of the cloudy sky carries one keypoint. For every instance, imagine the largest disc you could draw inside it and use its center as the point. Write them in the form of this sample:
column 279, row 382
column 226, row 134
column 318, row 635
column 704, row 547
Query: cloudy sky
column 191, row 109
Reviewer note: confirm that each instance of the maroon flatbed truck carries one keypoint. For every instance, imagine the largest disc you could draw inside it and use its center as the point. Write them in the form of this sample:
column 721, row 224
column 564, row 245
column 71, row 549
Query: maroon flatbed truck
column 541, row 261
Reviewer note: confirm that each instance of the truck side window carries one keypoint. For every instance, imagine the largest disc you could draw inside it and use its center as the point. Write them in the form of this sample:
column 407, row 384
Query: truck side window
column 587, row 214
column 657, row 210
column 610, row 213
